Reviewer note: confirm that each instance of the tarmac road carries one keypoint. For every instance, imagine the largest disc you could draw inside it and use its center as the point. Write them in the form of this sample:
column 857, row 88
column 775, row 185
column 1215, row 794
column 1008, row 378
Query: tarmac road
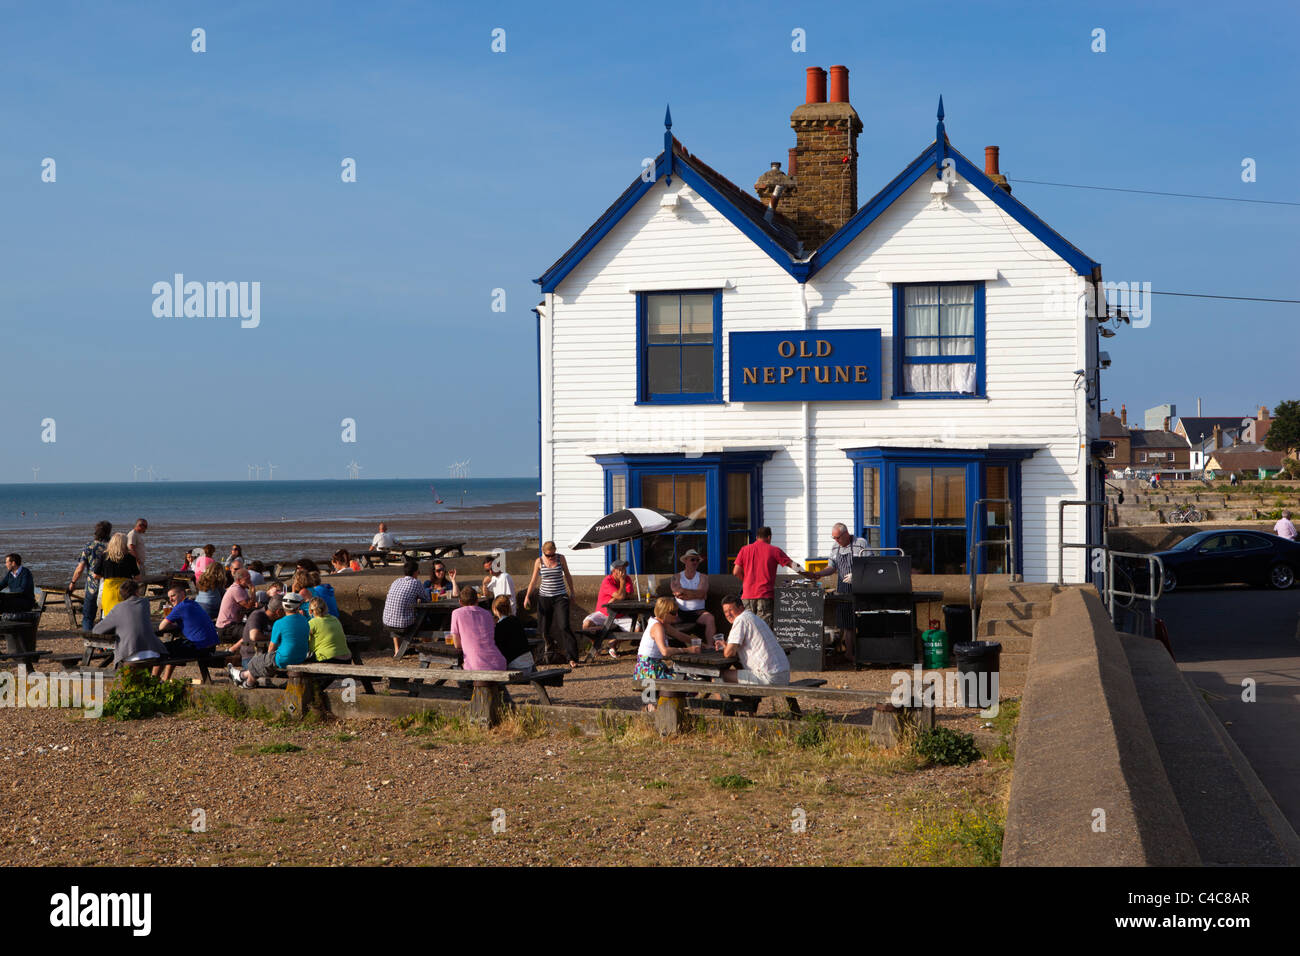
column 1222, row 637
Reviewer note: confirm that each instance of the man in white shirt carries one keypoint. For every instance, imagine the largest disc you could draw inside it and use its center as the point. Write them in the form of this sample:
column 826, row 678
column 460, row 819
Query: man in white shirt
column 135, row 541
column 497, row 582
column 762, row 661
column 383, row 541
column 1284, row 528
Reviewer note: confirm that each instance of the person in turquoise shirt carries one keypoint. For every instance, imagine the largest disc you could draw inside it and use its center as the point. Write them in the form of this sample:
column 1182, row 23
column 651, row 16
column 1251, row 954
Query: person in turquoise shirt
column 289, row 642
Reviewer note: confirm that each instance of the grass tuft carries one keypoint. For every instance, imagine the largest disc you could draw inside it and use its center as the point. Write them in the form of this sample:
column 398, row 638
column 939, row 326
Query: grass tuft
column 279, row 748
column 957, row 838
column 731, row 781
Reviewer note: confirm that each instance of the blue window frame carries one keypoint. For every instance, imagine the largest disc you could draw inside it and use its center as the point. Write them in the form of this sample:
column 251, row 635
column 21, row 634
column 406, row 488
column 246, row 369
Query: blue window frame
column 722, row 492
column 923, row 501
column 939, row 340
column 679, row 347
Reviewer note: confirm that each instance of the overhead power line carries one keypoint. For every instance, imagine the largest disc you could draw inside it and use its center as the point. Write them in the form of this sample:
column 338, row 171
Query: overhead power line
column 1236, row 298
column 1153, row 192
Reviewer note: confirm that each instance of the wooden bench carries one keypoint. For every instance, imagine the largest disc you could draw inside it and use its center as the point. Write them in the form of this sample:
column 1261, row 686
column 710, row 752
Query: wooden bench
column 104, row 646
column 886, row 721
column 540, row 679
column 23, row 657
column 69, row 662
column 484, row 707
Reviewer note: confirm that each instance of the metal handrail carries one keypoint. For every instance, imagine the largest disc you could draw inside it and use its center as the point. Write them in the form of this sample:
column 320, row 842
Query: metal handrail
column 973, row 550
column 1062, row 544
column 1155, row 580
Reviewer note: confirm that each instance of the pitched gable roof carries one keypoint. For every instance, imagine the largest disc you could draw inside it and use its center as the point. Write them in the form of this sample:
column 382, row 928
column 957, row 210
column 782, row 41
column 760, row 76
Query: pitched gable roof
column 932, row 158
column 778, row 239
column 1156, row 438
column 1193, row 428
column 1111, row 426
column 746, row 212
column 1233, row 460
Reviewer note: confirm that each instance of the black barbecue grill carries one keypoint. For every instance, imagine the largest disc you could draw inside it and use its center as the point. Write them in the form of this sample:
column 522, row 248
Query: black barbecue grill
column 883, row 610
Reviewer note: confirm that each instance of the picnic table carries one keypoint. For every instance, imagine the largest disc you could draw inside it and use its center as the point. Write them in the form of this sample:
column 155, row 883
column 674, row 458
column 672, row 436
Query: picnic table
column 635, row 608
column 417, row 549
column 20, row 636
column 707, row 665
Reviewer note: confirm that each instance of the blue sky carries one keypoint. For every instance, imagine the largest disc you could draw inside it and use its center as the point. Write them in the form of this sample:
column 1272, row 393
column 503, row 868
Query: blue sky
column 475, row 170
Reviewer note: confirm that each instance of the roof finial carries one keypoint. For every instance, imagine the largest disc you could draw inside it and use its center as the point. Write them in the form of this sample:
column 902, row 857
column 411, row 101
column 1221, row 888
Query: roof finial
column 668, row 144
column 940, row 141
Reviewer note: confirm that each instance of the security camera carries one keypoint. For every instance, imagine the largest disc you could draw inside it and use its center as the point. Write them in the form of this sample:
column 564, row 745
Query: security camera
column 1103, row 359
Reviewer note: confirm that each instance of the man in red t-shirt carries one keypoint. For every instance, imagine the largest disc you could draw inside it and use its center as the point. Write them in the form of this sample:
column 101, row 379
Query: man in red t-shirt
column 756, row 566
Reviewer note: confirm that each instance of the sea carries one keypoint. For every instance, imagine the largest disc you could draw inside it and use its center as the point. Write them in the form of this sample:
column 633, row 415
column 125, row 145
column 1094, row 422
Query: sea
column 49, row 523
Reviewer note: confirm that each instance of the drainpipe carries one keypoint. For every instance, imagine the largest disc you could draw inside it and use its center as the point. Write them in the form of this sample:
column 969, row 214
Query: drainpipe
column 807, row 441
column 538, row 312
column 547, row 389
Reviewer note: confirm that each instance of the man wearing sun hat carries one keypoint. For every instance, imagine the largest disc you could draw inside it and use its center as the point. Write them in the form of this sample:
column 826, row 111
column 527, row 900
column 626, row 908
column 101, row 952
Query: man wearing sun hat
column 690, row 587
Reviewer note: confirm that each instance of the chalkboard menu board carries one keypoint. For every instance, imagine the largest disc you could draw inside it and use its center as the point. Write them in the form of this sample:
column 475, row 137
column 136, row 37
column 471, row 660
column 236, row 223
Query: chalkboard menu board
column 798, row 613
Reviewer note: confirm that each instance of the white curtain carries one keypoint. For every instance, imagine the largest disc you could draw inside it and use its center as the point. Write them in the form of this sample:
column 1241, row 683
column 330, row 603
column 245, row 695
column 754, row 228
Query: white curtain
column 922, row 327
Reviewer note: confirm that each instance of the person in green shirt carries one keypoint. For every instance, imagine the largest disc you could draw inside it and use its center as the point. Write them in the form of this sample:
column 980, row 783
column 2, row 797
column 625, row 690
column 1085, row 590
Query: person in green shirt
column 326, row 638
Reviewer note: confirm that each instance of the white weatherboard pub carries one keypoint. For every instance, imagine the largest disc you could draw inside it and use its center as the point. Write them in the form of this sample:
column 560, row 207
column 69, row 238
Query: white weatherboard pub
column 792, row 359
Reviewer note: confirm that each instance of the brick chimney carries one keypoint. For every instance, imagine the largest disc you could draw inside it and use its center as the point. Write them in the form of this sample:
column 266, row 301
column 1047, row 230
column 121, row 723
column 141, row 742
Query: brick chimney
column 1217, row 438
column 824, row 161
column 991, row 168
column 1263, row 422
column 773, row 187
column 1123, row 415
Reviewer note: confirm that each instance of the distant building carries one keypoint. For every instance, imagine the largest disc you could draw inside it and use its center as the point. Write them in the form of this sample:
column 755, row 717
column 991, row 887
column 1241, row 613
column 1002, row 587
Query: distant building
column 1255, row 429
column 1158, row 418
column 1143, row 449
column 1249, row 461
column 1198, row 431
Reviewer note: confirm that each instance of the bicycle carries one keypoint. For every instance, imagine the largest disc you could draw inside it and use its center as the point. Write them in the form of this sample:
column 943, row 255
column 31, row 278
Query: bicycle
column 1186, row 514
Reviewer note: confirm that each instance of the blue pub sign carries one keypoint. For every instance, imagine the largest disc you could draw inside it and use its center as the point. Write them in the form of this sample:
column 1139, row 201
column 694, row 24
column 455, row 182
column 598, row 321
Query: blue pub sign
column 823, row 366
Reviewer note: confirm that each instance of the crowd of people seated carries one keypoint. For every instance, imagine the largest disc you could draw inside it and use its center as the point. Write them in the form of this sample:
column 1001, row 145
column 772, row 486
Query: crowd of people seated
column 269, row 625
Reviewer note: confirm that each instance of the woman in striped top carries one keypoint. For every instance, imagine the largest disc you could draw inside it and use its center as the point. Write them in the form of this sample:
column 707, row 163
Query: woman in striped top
column 553, row 604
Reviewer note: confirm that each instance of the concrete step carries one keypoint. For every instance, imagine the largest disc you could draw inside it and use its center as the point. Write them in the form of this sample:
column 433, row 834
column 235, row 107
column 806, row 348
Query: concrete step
column 998, row 629
column 1000, row 593
column 1232, row 819
column 1012, row 643
column 1014, row 663
column 1014, row 610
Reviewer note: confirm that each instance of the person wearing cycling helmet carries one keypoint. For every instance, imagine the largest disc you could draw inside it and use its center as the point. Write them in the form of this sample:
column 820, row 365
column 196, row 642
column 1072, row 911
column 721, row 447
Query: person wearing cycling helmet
column 289, row 641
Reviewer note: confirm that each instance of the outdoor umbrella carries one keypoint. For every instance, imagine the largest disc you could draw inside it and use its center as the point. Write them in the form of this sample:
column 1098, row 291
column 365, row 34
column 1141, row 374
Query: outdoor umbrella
column 628, row 524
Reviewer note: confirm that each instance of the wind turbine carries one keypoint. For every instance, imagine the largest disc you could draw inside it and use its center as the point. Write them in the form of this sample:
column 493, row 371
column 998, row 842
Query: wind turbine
column 250, row 472
column 36, row 470
column 135, row 472
column 259, row 472
column 271, row 468
column 149, row 470
column 354, row 470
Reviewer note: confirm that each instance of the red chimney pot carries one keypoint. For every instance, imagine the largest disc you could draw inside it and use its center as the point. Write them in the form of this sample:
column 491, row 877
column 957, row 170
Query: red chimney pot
column 991, row 161
column 816, row 85
column 839, row 84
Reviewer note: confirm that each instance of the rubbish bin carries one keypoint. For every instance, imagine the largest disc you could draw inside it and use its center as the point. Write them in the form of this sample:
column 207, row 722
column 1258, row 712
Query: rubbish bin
column 978, row 664
column 956, row 621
